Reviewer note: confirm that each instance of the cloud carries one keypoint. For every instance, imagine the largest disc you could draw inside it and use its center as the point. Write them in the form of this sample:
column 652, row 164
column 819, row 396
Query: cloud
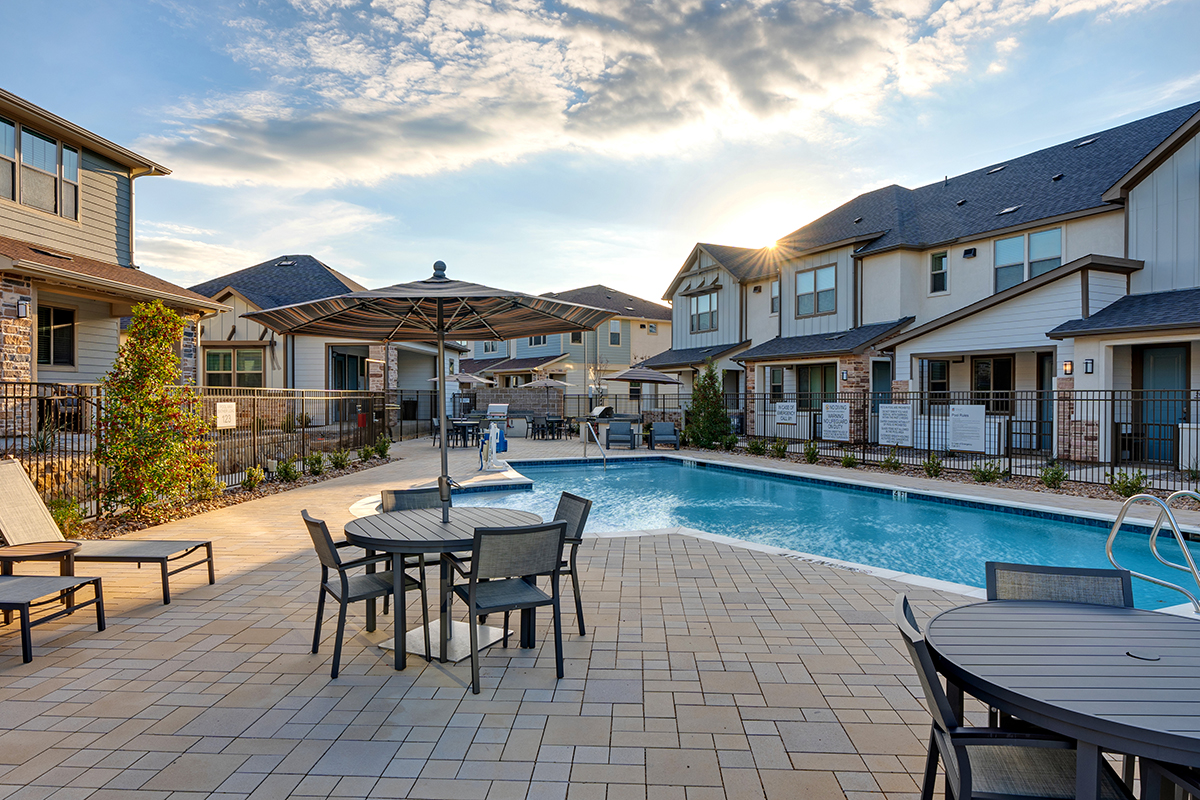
column 357, row 91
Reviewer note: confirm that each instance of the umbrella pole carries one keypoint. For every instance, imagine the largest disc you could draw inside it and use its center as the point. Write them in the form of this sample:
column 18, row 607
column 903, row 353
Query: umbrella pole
column 441, row 375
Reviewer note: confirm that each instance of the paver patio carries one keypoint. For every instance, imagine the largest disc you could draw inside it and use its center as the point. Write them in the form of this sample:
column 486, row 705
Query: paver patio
column 710, row 672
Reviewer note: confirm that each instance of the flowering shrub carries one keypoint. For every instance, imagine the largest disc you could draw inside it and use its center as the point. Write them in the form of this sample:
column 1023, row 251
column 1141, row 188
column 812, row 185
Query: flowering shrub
column 152, row 439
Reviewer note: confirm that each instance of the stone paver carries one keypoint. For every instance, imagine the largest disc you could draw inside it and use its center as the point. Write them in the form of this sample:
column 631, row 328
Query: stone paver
column 710, row 672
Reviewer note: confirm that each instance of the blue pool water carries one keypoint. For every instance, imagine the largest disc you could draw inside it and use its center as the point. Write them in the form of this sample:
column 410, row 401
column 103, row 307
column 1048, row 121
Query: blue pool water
column 919, row 536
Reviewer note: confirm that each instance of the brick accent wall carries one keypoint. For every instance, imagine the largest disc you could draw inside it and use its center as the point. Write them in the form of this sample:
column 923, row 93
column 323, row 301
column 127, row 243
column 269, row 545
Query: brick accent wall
column 751, row 405
column 538, row 402
column 375, row 368
column 858, row 373
column 189, row 351
column 1078, row 439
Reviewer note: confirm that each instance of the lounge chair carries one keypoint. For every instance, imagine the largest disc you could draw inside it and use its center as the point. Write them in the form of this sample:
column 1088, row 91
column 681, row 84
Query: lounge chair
column 1102, row 587
column 619, row 432
column 663, row 433
column 25, row 520
column 22, row 593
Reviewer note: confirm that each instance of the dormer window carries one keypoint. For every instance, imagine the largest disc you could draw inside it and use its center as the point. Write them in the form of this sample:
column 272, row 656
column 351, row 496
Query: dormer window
column 703, row 310
column 48, row 178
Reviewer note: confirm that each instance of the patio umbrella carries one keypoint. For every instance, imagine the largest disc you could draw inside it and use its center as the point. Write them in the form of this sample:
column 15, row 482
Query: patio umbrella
column 437, row 305
column 643, row 375
column 463, row 377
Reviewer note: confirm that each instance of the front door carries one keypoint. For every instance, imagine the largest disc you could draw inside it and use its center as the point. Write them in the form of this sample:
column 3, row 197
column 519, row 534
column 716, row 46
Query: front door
column 881, row 384
column 1045, row 406
column 1164, row 390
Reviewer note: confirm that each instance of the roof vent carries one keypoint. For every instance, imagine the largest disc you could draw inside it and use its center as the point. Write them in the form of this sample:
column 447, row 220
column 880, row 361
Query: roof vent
column 834, row 337
column 857, row 220
column 1058, row 177
column 1086, row 142
column 994, row 170
column 1008, row 210
column 287, row 262
column 51, row 253
column 960, row 202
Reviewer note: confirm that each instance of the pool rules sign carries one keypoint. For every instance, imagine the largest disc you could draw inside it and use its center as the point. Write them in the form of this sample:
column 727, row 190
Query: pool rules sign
column 896, row 424
column 968, row 428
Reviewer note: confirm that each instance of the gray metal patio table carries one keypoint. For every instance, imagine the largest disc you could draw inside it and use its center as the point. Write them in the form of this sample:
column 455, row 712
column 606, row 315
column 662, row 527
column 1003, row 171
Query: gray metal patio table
column 421, row 530
column 1117, row 679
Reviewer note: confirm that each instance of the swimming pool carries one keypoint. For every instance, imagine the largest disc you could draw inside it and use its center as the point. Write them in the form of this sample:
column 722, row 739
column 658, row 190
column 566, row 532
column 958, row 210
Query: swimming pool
column 920, row 535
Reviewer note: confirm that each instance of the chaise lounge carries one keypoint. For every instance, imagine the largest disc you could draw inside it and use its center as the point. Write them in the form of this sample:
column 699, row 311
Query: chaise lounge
column 663, row 433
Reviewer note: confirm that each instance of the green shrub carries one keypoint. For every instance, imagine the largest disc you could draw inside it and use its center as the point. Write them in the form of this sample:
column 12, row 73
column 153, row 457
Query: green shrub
column 1053, row 475
column 779, row 448
column 757, row 447
column 708, row 423
column 43, row 441
column 286, row 470
column 1127, row 485
column 729, row 441
column 288, row 425
column 67, row 515
column 254, row 476
column 382, row 445
column 892, row 462
column 849, row 461
column 366, row 453
column 811, row 452
column 303, row 420
column 987, row 472
column 315, row 462
column 207, row 487
column 1193, row 471
column 933, row 466
column 339, row 459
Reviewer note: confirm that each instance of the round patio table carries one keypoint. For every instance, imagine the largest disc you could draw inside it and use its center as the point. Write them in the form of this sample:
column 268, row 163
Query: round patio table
column 421, row 530
column 1117, row 679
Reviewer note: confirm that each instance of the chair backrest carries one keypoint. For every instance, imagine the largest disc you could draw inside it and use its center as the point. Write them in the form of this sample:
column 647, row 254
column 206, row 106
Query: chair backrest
column 573, row 510
column 519, row 551
column 931, row 686
column 1102, row 587
column 666, row 429
column 401, row 499
column 620, row 428
column 322, row 541
column 24, row 518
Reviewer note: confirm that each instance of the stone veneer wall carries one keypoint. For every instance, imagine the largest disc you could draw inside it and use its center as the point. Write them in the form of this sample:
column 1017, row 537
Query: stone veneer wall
column 189, row 351
column 751, row 403
column 1078, row 439
column 538, row 402
column 16, row 352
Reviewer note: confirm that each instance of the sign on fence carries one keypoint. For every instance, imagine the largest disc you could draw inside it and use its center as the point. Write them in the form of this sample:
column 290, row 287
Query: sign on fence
column 967, row 429
column 226, row 415
column 835, row 422
column 785, row 413
column 896, row 424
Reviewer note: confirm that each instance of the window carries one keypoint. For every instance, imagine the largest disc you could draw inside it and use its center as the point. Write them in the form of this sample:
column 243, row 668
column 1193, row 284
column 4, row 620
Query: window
column 38, row 170
column 653, row 330
column 816, row 291
column 635, row 390
column 614, row 332
column 776, row 384
column 935, row 379
column 576, row 337
column 55, row 336
column 703, row 308
column 537, row 341
column 8, row 160
column 490, row 347
column 242, row 368
column 937, row 273
column 816, row 383
column 992, row 382
column 774, row 297
column 1045, row 251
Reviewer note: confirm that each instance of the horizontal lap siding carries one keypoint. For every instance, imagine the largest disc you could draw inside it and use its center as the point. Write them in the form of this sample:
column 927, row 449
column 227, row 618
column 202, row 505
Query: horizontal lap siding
column 97, row 337
column 1104, row 288
column 413, row 370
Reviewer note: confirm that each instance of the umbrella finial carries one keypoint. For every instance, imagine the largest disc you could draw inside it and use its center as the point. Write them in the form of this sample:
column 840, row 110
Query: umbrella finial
column 439, row 270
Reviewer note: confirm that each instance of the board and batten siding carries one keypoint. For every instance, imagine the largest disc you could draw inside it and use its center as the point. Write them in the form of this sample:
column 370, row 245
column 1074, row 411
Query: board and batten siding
column 245, row 332
column 842, row 319
column 1164, row 223
column 102, row 231
column 97, row 339
column 728, row 311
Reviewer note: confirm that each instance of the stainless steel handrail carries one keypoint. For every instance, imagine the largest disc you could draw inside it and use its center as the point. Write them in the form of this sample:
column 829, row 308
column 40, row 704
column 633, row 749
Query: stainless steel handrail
column 588, row 426
column 1165, row 515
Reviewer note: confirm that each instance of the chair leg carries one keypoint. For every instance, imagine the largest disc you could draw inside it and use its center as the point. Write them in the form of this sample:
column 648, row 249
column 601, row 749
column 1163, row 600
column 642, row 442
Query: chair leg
column 320, row 614
column 558, row 654
column 212, row 572
column 506, row 616
column 100, row 623
column 931, row 766
column 341, row 631
column 474, row 625
column 26, row 635
column 425, row 610
column 166, row 584
column 575, row 585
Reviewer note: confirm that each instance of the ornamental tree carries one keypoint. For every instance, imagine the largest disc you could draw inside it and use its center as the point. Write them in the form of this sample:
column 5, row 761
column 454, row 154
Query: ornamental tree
column 152, row 438
column 707, row 420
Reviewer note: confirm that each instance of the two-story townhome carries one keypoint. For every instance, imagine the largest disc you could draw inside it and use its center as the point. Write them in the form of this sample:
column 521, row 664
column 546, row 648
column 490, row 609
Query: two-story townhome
column 67, row 268
column 584, row 359
column 724, row 300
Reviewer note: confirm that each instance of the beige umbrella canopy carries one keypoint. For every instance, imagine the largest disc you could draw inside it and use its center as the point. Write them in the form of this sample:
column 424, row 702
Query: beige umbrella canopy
column 465, row 377
column 436, row 306
column 546, row 383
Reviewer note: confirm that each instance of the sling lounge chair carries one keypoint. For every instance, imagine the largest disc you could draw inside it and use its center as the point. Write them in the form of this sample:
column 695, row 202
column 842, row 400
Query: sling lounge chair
column 22, row 593
column 24, row 519
column 663, row 433
column 619, row 432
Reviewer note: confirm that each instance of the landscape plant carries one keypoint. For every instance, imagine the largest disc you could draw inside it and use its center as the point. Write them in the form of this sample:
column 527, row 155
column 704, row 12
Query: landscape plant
column 366, row 453
column 757, row 447
column 1128, row 484
column 254, row 476
column 892, row 462
column 66, row 514
column 708, row 424
column 779, row 448
column 151, row 435
column 42, row 441
column 1053, row 475
column 286, row 471
column 339, row 459
column 729, row 441
column 315, row 462
column 811, row 452
column 932, row 466
column 987, row 472
column 1192, row 471
column 849, row 461
column 383, row 445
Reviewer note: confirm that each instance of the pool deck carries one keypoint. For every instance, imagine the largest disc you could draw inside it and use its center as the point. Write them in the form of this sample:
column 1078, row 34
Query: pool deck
column 711, row 671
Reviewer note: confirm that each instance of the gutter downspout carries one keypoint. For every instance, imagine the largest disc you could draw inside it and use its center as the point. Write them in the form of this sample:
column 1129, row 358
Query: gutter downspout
column 134, row 174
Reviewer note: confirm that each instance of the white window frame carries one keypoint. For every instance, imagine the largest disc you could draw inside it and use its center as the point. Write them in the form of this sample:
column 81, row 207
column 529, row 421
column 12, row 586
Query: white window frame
column 944, row 273
column 614, row 329
column 490, row 347
column 16, row 162
column 652, row 329
column 538, row 341
column 576, row 337
column 694, row 312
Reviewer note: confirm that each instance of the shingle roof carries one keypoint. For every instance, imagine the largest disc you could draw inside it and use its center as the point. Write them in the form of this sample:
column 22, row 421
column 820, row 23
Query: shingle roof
column 623, row 303
column 281, row 281
column 744, row 263
column 525, row 364
column 852, row 341
column 690, row 356
column 1088, row 166
column 477, row 365
column 1179, row 308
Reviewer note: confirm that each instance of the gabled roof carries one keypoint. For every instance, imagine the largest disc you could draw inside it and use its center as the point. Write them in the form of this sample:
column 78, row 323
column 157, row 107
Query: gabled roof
column 525, row 364
column 690, row 357
column 623, row 303
column 743, row 263
column 478, row 365
column 855, row 340
column 1010, row 193
column 124, row 283
column 282, row 281
column 1179, row 308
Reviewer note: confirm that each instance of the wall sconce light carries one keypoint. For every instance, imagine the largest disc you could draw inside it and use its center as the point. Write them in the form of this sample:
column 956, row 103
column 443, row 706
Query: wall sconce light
column 845, row 374
column 1068, row 367
column 22, row 309
column 1089, row 366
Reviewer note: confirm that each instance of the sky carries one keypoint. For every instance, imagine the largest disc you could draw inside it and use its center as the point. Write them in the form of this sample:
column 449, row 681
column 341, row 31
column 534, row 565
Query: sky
column 543, row 145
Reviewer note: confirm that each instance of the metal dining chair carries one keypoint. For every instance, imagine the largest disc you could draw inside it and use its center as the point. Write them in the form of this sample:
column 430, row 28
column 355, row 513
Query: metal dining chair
column 573, row 510
column 982, row 763
column 349, row 588
column 501, row 576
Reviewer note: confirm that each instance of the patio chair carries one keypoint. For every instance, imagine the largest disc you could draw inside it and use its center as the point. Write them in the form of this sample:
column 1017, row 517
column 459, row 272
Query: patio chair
column 573, row 510
column 22, row 593
column 437, row 430
column 990, row 762
column 619, row 432
column 1160, row 780
column 1102, row 587
column 541, row 428
column 663, row 433
column 501, row 577
column 349, row 588
column 25, row 520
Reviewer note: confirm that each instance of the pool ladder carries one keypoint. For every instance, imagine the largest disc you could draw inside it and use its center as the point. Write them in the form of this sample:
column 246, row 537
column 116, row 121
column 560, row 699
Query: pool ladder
column 596, row 437
column 1165, row 516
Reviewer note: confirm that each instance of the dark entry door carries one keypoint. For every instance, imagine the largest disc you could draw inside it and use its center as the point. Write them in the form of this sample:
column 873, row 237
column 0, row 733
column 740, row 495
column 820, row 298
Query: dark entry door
column 881, row 384
column 1045, row 409
column 1164, row 385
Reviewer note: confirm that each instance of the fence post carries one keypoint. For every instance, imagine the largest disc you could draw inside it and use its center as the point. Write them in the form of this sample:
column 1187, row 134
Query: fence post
column 254, row 429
